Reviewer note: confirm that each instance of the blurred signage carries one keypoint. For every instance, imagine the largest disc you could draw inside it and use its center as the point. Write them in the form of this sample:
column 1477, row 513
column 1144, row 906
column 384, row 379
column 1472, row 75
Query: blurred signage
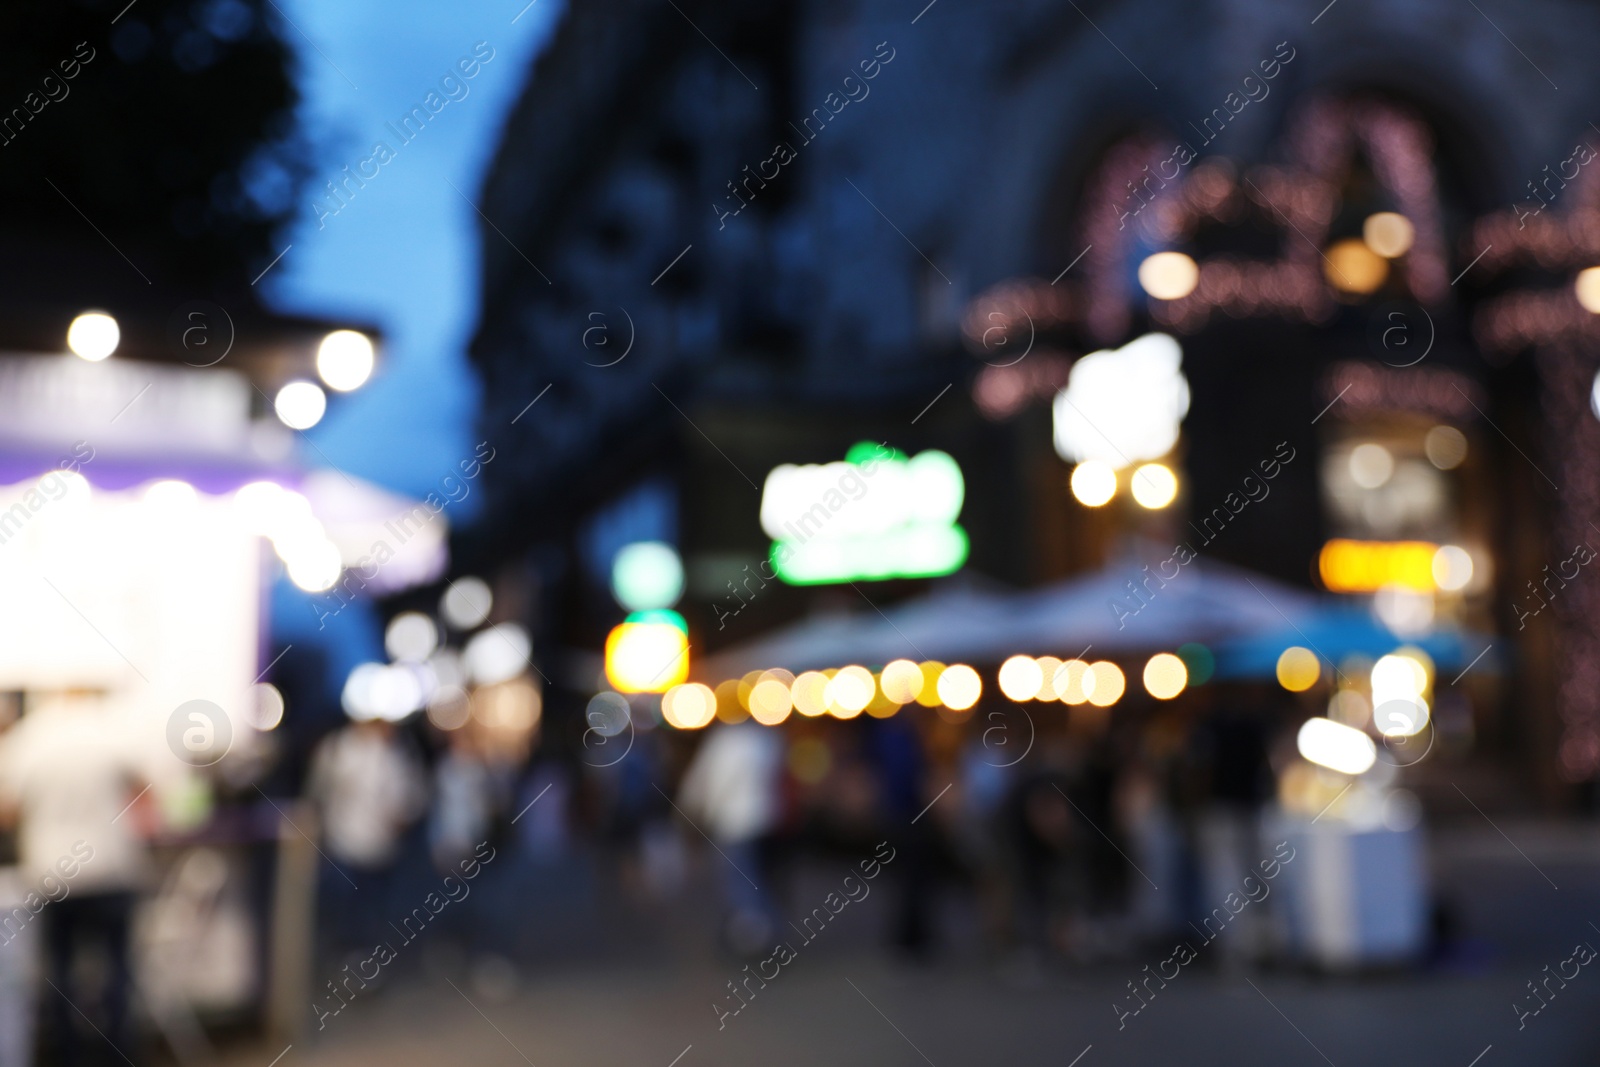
column 877, row 514
column 141, row 406
column 1349, row 566
column 648, row 653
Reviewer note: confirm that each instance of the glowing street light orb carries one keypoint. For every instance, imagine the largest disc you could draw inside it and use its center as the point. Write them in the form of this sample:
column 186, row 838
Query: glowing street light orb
column 851, row 689
column 645, row 656
column 93, row 336
column 1298, row 669
column 1020, row 678
column 410, row 637
column 959, row 687
column 1154, row 486
column 770, row 702
column 1351, row 267
column 1123, row 406
column 1073, row 682
column 1388, row 233
column 300, row 405
column 1048, row 666
column 344, row 360
column 647, row 575
column 929, row 696
column 901, row 681
column 1169, row 275
column 1109, row 684
column 1093, row 483
column 1165, row 676
column 1336, row 746
column 1371, row 465
column 467, row 602
column 1587, row 288
column 1446, row 446
column 809, row 694
column 693, row 705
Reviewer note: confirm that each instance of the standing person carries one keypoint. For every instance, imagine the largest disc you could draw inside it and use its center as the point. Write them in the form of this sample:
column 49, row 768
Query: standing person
column 69, row 782
column 732, row 790
column 368, row 789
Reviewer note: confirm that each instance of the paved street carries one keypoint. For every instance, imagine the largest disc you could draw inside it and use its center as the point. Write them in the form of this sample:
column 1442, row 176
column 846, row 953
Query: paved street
column 843, row 1001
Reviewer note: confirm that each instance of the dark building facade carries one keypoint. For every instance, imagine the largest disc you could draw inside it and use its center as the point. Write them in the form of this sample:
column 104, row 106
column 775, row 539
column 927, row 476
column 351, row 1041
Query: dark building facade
column 727, row 237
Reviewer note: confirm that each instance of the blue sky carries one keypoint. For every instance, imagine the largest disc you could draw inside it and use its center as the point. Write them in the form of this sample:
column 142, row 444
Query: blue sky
column 404, row 253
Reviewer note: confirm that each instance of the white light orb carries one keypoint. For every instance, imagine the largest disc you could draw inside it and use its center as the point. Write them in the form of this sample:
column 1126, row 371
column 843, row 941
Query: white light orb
column 314, row 566
column 1336, row 746
column 300, row 405
column 1169, row 275
column 1452, row 567
column 1371, row 465
column 410, row 637
column 1093, row 483
column 263, row 706
column 171, row 495
column 959, row 687
column 1123, row 406
column 466, row 603
column 93, row 336
column 344, row 360
column 498, row 654
column 1020, row 678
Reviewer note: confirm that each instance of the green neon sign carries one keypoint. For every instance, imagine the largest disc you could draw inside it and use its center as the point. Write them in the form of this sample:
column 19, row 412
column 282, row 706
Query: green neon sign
column 877, row 514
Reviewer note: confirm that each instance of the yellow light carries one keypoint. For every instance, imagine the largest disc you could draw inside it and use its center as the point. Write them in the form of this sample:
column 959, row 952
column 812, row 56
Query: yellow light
column 344, row 360
column 1154, row 486
column 1093, row 483
column 646, row 657
column 809, row 694
column 1074, row 682
column 1048, row 666
column 1351, row 267
column 729, row 710
column 1298, row 669
column 769, row 702
column 1349, row 566
column 850, row 690
column 1168, row 275
column 880, row 706
column 929, row 695
column 746, row 684
column 1588, row 289
column 959, row 687
column 1452, row 567
column 1020, row 678
column 1165, row 676
column 1108, row 684
column 902, row 681
column 689, row 707
column 93, row 336
column 1336, row 746
column 1389, row 234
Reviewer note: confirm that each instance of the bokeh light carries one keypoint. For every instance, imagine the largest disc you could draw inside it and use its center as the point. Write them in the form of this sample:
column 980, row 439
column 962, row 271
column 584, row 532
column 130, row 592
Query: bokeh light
column 770, row 702
column 300, row 405
column 1154, row 486
column 810, row 693
column 344, row 360
column 1452, row 567
column 1093, row 483
column 1445, row 447
column 1168, row 275
column 1108, row 686
column 1388, row 233
column 1336, row 746
column 959, row 687
column 1351, row 267
column 1298, row 669
column 1073, row 682
column 1020, row 678
column 1165, row 676
column 93, row 336
column 901, row 681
